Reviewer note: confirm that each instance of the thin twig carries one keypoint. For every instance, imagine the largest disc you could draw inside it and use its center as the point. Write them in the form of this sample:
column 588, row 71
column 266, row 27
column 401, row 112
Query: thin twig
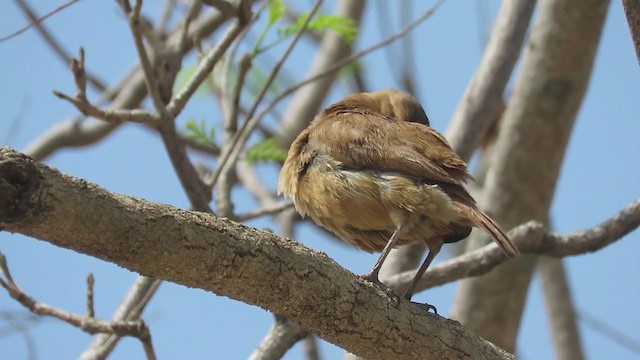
column 193, row 12
column 91, row 312
column 272, row 210
column 224, row 7
column 136, row 30
column 231, row 106
column 39, row 20
column 609, row 332
column 203, row 70
column 129, row 310
column 115, row 116
column 81, row 102
column 126, row 95
column 55, row 44
column 165, row 18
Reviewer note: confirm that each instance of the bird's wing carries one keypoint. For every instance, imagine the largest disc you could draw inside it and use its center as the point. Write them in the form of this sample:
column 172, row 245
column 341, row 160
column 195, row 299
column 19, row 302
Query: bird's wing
column 362, row 139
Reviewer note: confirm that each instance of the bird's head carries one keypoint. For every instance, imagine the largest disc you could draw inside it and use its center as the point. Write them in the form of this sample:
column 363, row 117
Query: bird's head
column 393, row 103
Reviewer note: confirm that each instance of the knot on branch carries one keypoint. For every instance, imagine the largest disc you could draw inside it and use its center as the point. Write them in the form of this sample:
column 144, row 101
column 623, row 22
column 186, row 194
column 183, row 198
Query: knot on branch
column 20, row 186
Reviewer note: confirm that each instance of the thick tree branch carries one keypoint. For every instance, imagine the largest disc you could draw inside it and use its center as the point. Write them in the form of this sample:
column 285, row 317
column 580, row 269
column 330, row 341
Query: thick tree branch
column 632, row 10
column 200, row 250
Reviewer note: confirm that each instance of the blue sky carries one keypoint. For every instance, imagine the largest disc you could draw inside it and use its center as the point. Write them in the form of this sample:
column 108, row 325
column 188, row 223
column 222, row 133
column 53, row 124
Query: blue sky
column 599, row 177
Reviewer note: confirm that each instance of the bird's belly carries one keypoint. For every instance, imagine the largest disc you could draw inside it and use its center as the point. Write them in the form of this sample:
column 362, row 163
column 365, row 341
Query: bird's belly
column 364, row 207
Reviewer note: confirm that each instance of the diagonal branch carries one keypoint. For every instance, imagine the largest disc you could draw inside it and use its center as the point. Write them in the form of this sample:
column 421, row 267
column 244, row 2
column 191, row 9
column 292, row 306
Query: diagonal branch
column 632, row 10
column 55, row 45
column 531, row 238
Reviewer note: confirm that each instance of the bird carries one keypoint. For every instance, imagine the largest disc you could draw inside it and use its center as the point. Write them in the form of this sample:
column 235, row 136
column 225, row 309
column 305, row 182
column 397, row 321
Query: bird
column 371, row 170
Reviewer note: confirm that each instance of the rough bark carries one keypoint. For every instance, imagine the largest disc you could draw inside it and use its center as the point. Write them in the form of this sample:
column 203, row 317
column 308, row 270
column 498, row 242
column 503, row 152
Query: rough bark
column 200, row 250
column 632, row 10
column 528, row 155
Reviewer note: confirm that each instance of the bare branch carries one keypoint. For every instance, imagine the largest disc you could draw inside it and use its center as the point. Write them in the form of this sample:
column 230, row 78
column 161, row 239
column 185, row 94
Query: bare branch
column 135, row 24
column 91, row 312
column 81, row 103
column 130, row 92
column 561, row 311
column 130, row 309
column 112, row 116
column 530, row 238
column 203, row 70
column 55, row 44
column 222, row 6
column 272, row 210
column 88, row 324
column 632, row 10
column 280, row 338
column 39, row 20
column 610, row 332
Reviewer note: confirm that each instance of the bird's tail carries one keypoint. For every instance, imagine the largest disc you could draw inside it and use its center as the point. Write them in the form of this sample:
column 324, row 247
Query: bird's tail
column 481, row 220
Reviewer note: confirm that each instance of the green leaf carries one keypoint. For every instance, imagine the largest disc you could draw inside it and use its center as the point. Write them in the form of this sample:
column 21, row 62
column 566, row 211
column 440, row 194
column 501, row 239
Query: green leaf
column 343, row 26
column 199, row 133
column 276, row 11
column 265, row 151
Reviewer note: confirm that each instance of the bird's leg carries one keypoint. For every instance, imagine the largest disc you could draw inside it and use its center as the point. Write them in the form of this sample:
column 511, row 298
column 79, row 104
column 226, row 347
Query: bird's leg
column 373, row 274
column 408, row 292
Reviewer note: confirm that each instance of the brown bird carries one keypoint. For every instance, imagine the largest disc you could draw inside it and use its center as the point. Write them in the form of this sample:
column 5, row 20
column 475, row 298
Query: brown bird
column 371, row 170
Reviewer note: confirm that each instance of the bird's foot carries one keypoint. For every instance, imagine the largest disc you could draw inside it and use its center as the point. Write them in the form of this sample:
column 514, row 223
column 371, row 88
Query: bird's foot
column 371, row 277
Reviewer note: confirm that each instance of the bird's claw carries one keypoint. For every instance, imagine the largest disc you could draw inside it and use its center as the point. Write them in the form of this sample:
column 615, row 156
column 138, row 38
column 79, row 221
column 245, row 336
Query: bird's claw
column 426, row 307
